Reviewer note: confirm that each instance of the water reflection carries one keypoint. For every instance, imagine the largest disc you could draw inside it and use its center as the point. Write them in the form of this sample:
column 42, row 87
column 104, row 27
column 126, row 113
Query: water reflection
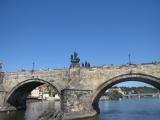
column 12, row 115
column 34, row 110
column 143, row 109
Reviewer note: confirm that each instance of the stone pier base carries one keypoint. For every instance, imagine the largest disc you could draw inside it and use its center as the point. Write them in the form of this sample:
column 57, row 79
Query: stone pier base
column 3, row 105
column 81, row 116
column 76, row 104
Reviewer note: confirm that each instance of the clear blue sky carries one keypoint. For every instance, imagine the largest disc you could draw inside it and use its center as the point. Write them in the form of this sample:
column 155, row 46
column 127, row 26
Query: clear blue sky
column 101, row 31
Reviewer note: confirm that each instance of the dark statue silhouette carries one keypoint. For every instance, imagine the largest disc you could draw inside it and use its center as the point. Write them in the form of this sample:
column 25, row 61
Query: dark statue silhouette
column 75, row 60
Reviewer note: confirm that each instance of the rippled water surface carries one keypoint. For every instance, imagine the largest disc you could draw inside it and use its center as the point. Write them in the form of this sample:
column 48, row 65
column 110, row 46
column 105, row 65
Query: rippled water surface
column 143, row 109
column 34, row 110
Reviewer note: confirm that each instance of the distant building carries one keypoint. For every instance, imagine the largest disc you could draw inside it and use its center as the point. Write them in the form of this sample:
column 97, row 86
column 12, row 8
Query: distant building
column 56, row 97
column 42, row 92
column 35, row 92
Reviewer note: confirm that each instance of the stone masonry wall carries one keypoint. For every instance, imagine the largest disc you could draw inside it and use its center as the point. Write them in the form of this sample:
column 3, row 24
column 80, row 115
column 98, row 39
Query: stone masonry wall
column 1, row 77
column 94, row 77
column 91, row 78
column 2, row 96
column 76, row 100
column 12, row 79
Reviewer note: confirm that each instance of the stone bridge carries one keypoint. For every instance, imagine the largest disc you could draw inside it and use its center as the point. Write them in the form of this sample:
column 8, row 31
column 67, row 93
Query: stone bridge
column 79, row 88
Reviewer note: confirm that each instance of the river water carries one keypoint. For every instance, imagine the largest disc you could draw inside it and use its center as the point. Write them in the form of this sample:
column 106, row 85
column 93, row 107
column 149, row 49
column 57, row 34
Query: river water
column 129, row 109
column 33, row 111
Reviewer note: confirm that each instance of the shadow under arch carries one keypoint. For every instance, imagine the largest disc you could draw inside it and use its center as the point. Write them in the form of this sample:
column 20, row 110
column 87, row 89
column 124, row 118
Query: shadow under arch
column 97, row 93
column 18, row 94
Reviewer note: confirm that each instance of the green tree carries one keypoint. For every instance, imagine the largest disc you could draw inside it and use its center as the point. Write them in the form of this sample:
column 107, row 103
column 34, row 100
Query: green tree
column 114, row 95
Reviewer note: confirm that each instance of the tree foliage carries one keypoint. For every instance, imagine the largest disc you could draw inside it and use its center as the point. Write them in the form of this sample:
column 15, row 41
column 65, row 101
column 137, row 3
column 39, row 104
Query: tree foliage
column 114, row 95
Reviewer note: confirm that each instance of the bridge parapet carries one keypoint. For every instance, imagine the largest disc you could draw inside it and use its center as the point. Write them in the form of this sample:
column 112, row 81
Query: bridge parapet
column 12, row 79
column 93, row 77
column 80, row 88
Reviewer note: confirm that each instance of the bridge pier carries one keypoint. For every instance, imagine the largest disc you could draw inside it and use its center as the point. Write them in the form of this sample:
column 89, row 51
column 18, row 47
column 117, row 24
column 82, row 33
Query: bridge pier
column 2, row 90
column 3, row 105
column 2, row 97
column 76, row 99
column 77, row 104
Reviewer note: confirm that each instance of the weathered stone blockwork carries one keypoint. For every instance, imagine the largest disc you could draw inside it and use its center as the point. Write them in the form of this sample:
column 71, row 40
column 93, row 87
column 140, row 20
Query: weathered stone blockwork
column 1, row 77
column 76, row 100
column 2, row 96
column 80, row 88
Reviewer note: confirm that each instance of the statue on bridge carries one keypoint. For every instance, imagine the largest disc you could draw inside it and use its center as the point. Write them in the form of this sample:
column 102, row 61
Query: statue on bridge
column 74, row 60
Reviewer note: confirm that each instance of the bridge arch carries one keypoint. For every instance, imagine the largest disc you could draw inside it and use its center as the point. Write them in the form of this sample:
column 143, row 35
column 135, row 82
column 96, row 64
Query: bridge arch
column 149, row 79
column 18, row 94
